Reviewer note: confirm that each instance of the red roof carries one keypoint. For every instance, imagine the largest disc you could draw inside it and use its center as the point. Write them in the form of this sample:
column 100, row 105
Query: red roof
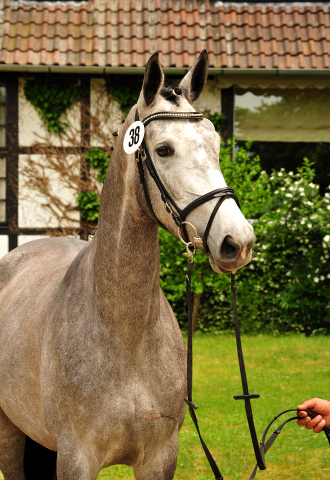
column 114, row 33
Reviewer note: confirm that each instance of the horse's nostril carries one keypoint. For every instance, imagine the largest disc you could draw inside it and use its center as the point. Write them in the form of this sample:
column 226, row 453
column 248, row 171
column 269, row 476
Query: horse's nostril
column 228, row 248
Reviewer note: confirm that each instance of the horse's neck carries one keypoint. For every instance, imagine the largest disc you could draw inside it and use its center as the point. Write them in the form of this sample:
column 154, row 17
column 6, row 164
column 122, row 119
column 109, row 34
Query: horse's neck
column 126, row 271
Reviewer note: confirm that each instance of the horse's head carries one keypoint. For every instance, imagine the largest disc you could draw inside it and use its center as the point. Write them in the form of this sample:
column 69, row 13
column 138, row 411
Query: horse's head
column 185, row 153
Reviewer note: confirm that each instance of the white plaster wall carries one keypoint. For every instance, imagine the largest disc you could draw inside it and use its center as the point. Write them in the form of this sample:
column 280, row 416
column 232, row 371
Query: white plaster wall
column 108, row 113
column 32, row 212
column 31, row 128
column 4, row 245
column 22, row 239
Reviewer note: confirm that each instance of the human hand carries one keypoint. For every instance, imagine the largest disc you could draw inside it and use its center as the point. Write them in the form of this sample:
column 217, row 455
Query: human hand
column 322, row 410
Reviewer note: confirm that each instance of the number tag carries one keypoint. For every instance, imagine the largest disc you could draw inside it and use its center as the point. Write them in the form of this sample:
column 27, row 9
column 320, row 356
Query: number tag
column 133, row 137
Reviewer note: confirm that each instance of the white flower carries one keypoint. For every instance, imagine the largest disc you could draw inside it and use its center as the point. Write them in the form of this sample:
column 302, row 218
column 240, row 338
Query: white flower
column 302, row 194
column 328, row 207
column 302, row 221
column 280, row 174
column 326, row 238
column 316, row 280
column 327, row 194
column 264, row 247
column 288, row 273
column 309, row 225
column 300, row 189
column 291, row 188
column 271, row 178
column 321, row 278
column 317, row 270
column 283, row 189
column 276, row 192
column 328, row 276
column 288, row 194
column 290, row 173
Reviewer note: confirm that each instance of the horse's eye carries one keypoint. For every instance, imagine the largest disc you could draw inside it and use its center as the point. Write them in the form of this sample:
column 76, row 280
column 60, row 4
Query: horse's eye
column 163, row 151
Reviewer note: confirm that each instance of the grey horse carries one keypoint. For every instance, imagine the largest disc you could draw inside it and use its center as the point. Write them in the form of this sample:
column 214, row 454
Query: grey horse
column 92, row 361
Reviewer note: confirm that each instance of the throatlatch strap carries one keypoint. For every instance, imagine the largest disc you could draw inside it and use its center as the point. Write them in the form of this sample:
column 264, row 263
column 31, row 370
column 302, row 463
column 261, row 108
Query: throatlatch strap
column 192, row 406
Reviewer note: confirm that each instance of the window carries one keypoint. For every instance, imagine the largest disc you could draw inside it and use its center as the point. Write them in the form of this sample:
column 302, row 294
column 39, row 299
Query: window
column 289, row 115
column 285, row 126
column 3, row 160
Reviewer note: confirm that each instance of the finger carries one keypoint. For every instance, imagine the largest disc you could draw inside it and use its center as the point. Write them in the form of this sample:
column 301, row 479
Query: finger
column 320, row 426
column 303, row 421
column 308, row 404
column 313, row 422
column 302, row 414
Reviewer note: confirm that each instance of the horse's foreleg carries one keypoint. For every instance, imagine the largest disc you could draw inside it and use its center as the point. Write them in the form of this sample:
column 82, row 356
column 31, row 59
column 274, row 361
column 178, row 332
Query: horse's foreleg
column 76, row 461
column 12, row 443
column 162, row 465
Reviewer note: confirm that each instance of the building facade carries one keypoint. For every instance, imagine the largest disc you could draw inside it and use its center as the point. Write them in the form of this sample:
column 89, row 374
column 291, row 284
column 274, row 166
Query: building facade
column 269, row 75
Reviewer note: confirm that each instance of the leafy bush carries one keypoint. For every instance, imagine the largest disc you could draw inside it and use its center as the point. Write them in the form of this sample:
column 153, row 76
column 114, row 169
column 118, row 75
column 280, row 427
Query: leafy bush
column 52, row 96
column 125, row 89
column 218, row 120
column 286, row 287
column 97, row 159
column 89, row 202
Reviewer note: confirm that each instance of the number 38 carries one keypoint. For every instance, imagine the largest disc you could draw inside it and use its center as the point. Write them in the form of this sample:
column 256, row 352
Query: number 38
column 135, row 136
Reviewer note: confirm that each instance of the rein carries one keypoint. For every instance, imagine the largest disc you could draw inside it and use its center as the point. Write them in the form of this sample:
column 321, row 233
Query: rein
column 179, row 216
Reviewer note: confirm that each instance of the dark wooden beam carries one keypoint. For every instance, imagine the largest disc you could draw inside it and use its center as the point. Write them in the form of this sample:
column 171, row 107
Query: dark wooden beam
column 227, row 109
column 12, row 158
column 85, row 132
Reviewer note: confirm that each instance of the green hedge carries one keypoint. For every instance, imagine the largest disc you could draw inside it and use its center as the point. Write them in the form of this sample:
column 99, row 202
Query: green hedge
column 286, row 287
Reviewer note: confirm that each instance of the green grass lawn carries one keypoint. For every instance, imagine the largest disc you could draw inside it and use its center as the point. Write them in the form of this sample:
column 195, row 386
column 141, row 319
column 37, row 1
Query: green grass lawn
column 284, row 371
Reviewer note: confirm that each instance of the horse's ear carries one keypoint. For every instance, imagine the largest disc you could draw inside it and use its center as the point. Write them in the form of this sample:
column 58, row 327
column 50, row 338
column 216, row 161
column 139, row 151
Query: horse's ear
column 193, row 83
column 153, row 80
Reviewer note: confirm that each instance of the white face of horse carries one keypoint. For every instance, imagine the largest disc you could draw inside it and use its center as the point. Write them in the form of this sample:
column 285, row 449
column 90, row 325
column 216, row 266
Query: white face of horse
column 186, row 156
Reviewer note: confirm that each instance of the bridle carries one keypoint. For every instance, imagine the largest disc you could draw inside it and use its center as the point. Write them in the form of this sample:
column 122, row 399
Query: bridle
column 179, row 216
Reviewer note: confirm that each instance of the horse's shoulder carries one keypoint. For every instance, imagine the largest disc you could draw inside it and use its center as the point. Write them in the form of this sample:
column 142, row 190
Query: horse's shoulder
column 38, row 252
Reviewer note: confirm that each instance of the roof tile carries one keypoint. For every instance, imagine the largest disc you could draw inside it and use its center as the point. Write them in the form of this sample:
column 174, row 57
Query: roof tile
column 125, row 32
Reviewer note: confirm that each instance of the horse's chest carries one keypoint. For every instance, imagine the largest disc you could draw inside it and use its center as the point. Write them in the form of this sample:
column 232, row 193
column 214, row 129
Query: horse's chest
column 141, row 420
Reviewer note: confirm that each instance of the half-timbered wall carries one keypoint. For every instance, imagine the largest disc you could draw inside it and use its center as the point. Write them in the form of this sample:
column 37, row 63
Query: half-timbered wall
column 25, row 217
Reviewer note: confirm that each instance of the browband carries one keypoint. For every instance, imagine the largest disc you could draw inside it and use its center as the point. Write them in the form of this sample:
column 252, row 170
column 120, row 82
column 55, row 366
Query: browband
column 177, row 115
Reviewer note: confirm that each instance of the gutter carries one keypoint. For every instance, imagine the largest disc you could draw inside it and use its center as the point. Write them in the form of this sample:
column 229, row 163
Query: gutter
column 96, row 70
